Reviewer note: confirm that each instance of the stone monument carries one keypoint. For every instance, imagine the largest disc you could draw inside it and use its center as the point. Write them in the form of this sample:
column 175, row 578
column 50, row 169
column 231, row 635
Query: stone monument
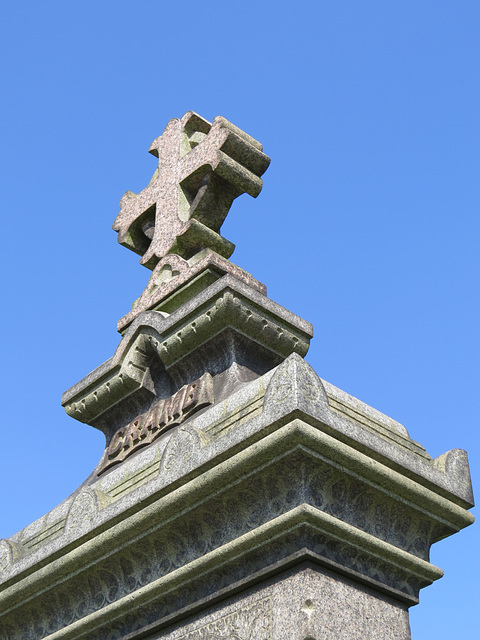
column 240, row 496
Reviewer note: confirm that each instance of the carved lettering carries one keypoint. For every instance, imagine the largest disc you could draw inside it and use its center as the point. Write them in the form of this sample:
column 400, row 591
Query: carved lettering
column 164, row 415
column 116, row 444
column 251, row 622
column 176, row 404
column 139, row 431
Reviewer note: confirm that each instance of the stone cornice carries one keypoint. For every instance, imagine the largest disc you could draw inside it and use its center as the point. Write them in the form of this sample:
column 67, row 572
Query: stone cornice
column 294, row 437
column 226, row 304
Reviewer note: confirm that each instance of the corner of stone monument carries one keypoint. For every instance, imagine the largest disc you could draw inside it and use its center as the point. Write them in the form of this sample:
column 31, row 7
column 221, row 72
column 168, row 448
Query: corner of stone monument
column 239, row 495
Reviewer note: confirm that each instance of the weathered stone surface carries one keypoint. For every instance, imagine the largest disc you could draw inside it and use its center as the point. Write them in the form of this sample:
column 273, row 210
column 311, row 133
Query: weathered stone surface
column 226, row 327
column 174, row 223
column 307, row 602
column 239, row 495
column 174, row 281
column 6, row 555
column 270, row 476
column 202, row 168
column 160, row 418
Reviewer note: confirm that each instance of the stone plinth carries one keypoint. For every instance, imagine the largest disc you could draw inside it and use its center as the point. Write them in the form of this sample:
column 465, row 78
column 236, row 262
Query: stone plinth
column 287, row 473
column 307, row 601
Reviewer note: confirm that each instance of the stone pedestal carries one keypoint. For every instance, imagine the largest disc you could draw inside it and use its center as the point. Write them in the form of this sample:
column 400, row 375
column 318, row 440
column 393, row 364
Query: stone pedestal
column 240, row 496
column 265, row 501
column 304, row 602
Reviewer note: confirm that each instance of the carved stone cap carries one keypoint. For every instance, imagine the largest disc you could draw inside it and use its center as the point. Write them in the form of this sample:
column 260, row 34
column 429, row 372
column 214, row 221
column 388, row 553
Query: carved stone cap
column 176, row 280
column 173, row 341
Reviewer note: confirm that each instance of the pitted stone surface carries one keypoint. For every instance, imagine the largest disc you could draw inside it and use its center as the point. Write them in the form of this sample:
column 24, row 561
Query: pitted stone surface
column 202, row 168
column 230, row 467
column 242, row 492
column 83, row 510
column 175, row 280
column 243, row 415
column 307, row 603
column 6, row 555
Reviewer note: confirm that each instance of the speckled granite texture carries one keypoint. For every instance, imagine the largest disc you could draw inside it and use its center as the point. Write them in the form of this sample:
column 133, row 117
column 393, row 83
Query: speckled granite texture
column 306, row 602
column 274, row 474
column 239, row 495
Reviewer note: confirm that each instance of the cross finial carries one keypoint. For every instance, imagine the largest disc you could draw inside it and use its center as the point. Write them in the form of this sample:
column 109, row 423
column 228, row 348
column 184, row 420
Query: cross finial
column 202, row 168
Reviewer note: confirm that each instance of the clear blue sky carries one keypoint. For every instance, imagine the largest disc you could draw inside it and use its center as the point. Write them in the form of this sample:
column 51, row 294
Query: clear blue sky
column 368, row 224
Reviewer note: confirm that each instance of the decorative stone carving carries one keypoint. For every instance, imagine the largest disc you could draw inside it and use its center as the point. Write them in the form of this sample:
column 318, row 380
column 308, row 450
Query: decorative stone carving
column 263, row 517
column 175, row 280
column 6, row 554
column 83, row 510
column 174, row 223
column 295, row 382
column 180, row 450
column 202, row 168
column 226, row 304
column 162, row 416
column 279, row 471
column 251, row 622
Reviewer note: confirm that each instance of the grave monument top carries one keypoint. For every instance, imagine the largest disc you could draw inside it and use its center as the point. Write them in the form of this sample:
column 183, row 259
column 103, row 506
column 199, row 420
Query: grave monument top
column 174, row 223
column 239, row 495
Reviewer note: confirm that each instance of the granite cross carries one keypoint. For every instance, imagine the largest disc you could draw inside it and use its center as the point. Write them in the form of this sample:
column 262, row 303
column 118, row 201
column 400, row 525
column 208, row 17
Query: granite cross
column 202, row 168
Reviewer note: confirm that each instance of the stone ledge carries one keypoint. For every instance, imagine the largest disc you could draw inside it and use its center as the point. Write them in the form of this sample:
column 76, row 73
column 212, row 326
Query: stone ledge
column 146, row 481
column 167, row 295
column 273, row 452
column 266, row 534
column 226, row 304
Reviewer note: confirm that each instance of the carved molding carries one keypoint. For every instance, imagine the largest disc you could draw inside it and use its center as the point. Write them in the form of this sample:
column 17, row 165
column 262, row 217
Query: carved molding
column 293, row 504
column 173, row 273
column 251, row 622
column 226, row 304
